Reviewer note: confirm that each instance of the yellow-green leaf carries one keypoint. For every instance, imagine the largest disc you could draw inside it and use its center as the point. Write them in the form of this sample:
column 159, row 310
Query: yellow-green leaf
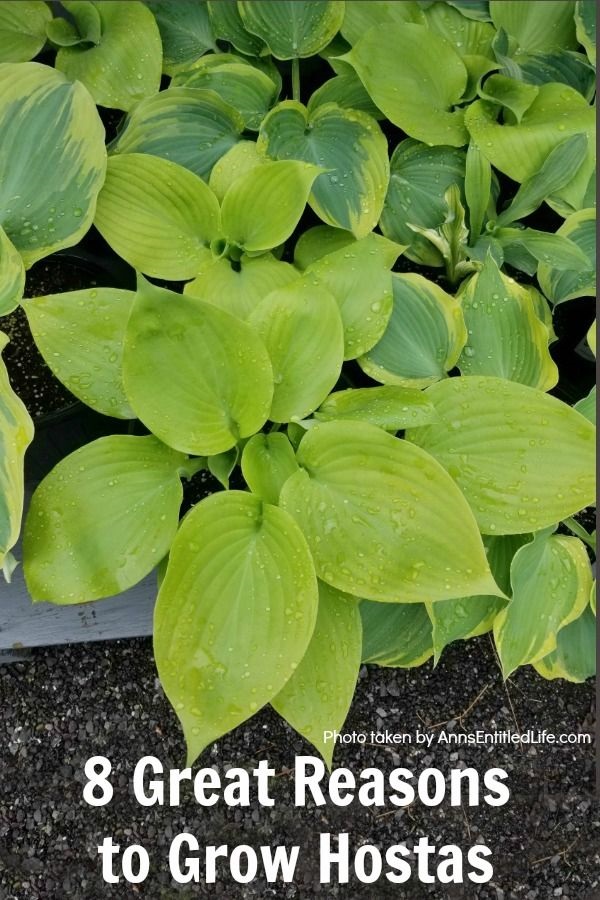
column 389, row 407
column 382, row 518
column 268, row 460
column 22, row 29
column 12, row 275
column 574, row 657
column 396, row 635
column 523, row 459
column 292, row 28
column 567, row 284
column 234, row 615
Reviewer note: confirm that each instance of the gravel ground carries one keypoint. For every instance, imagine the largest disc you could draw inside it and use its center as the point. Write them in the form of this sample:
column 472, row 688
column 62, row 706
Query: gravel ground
column 66, row 704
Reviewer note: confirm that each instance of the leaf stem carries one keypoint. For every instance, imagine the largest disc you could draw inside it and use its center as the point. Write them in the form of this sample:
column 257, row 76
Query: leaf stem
column 296, row 78
column 580, row 532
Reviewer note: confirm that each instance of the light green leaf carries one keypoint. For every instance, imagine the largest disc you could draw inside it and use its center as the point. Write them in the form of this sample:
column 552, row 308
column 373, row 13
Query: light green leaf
column 471, row 39
column 292, row 28
column 197, row 377
column 301, row 327
column 262, row 207
column 524, row 460
column 157, row 215
column 399, row 65
column 390, row 407
column 359, row 278
column 102, row 519
column 419, row 178
column 352, row 148
column 587, row 406
column 189, row 127
column 22, row 29
column 221, row 465
column 424, row 336
column 80, row 334
column 239, row 288
column 346, row 91
column 125, row 66
column 466, row 617
column 520, row 149
column 242, row 86
column 237, row 161
column 593, row 592
column 542, row 25
column 563, row 66
column 378, row 515
column 235, row 613
column 506, row 336
column 228, row 26
column 318, row 695
column 185, row 31
column 574, row 657
column 361, row 16
column 268, row 460
column 585, row 24
column 12, row 275
column 591, row 337
column 396, row 635
column 516, row 96
column 551, row 580
column 316, row 242
column 560, row 284
column 556, row 170
column 478, row 186
column 52, row 159
column 16, row 433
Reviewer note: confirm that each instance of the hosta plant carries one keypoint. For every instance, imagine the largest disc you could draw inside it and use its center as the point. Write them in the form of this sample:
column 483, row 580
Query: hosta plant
column 353, row 226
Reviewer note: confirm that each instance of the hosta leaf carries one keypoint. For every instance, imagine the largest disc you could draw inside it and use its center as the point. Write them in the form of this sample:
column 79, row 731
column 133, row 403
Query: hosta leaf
column 478, row 185
column 125, row 66
column 361, row 16
column 516, row 96
column 560, row 284
column 292, row 28
column 506, row 337
column 424, row 336
column 524, row 460
column 470, row 38
column 556, row 170
column 228, row 26
column 466, row 617
column 574, row 657
column 352, row 148
column 16, row 433
column 399, row 65
column 346, row 91
column 83, row 27
column 396, row 635
column 318, row 695
column 239, row 290
column 551, row 580
column 235, row 613
column 157, row 215
column 563, row 66
column 52, row 130
column 587, row 406
column 12, row 275
column 240, row 159
column 268, row 460
column 22, row 29
column 389, row 407
column 80, row 334
column 102, row 519
column 419, row 178
column 585, row 24
column 317, row 242
column 591, row 337
column 221, row 465
column 191, row 128
column 301, row 327
column 185, row 31
column 544, row 247
column 359, row 278
column 261, row 208
column 519, row 150
column 196, row 376
column 536, row 26
column 242, row 86
column 378, row 513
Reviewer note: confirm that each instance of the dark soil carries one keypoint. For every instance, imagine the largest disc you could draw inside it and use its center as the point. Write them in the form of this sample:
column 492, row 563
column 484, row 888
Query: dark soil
column 67, row 704
column 30, row 377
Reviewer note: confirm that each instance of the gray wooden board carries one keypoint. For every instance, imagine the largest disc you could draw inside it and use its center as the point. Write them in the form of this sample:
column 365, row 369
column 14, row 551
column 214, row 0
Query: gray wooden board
column 27, row 624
